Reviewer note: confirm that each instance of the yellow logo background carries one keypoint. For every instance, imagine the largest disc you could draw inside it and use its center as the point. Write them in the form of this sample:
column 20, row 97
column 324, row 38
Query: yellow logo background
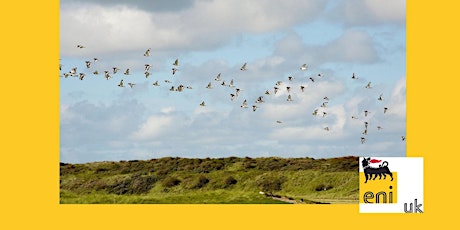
column 378, row 189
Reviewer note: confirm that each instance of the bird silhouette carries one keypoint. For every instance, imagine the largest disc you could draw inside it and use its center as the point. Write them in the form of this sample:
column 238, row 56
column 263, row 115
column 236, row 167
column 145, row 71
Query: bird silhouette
column 243, row 68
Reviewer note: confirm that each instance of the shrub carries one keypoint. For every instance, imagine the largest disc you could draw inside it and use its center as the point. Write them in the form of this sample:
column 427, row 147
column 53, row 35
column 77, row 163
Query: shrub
column 171, row 181
column 270, row 183
column 322, row 187
column 136, row 184
column 229, row 181
column 201, row 182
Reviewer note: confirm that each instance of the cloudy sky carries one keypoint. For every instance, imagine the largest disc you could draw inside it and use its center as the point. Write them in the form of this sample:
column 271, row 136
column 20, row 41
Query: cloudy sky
column 101, row 121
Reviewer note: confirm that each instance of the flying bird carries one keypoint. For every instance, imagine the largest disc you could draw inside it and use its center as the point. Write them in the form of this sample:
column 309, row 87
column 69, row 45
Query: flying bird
column 312, row 79
column 217, row 77
column 379, row 128
column 81, row 76
column 288, row 88
column 403, row 138
column 115, row 70
column 176, row 62
column 302, row 88
column 131, row 84
column 366, row 112
column 147, row 67
column 232, row 96
column 289, row 98
column 368, row 86
column 156, row 83
column 260, row 100
column 147, row 74
column 107, row 75
column 326, row 128
column 121, row 83
column 315, row 112
column 363, row 140
column 80, row 46
column 245, row 104
column 202, row 103
column 279, row 122
column 290, row 78
column 126, row 72
column 303, row 67
column 174, row 70
column 209, row 86
column 385, row 110
column 275, row 89
column 380, row 97
column 354, row 76
column 254, row 108
column 243, row 68
column 147, row 52
column 88, row 64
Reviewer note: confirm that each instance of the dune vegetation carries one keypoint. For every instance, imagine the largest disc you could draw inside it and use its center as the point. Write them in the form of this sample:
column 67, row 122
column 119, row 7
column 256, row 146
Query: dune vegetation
column 232, row 180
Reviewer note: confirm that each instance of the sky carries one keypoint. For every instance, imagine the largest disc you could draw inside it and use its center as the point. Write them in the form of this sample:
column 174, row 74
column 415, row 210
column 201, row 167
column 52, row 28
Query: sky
column 101, row 121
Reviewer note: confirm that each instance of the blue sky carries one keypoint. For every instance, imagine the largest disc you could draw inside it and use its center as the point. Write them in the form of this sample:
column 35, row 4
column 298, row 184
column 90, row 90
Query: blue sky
column 100, row 121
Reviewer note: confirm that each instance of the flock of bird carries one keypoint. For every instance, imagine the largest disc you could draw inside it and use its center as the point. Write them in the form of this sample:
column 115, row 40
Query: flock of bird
column 321, row 112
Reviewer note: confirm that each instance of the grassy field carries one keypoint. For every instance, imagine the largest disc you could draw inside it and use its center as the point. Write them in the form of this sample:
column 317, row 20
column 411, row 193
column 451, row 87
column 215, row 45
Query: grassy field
column 211, row 181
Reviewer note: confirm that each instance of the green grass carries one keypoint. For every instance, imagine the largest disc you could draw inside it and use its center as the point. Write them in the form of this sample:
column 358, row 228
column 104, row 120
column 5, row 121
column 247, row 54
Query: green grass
column 210, row 181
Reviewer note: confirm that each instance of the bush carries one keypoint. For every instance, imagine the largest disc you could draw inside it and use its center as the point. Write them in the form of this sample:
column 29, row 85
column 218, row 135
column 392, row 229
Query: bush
column 202, row 181
column 230, row 181
column 133, row 185
column 171, row 181
column 323, row 187
column 270, row 183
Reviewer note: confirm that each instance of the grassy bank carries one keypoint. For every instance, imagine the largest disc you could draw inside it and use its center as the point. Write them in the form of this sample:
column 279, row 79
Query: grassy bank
column 212, row 181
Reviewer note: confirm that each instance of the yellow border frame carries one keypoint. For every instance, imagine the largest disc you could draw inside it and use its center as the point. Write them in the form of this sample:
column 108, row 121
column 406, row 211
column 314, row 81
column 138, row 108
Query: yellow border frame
column 30, row 141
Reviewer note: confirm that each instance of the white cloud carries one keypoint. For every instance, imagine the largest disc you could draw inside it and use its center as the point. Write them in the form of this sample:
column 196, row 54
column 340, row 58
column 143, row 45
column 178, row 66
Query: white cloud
column 154, row 127
column 206, row 24
column 370, row 12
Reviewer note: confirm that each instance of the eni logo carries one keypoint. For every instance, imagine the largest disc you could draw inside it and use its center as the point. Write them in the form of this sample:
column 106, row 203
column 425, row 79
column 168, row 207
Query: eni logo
column 378, row 185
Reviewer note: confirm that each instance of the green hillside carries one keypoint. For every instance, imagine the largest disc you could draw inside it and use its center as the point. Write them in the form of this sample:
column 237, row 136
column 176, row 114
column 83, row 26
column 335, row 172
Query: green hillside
column 229, row 180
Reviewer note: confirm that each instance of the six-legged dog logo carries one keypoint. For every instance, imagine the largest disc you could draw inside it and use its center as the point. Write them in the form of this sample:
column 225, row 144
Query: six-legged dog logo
column 369, row 171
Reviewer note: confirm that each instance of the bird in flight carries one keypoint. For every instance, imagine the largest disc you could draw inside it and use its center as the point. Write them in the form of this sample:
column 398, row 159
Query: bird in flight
column 126, row 72
column 121, row 83
column 354, row 76
column 366, row 112
column 289, row 98
column 245, row 104
column 254, row 108
column 303, row 67
column 131, row 84
column 243, row 68
column 80, row 46
column 380, row 97
column 209, row 86
column 147, row 52
column 368, row 86
column 385, row 110
column 217, row 77
column 176, row 62
column 363, row 140
column 202, row 103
